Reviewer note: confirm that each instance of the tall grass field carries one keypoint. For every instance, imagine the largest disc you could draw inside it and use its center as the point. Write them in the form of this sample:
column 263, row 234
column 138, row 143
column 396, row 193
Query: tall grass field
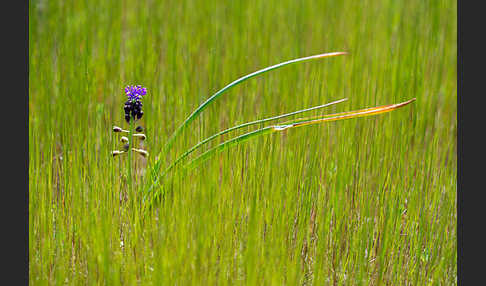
column 361, row 201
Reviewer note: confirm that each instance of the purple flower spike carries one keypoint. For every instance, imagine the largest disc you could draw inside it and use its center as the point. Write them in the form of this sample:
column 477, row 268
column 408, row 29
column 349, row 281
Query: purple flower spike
column 133, row 106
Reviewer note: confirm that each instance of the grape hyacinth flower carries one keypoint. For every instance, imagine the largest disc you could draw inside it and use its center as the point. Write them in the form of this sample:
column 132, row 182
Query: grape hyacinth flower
column 133, row 106
column 133, row 112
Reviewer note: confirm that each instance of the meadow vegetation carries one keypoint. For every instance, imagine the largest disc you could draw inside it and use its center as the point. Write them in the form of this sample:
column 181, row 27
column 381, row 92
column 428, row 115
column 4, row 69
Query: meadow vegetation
column 365, row 201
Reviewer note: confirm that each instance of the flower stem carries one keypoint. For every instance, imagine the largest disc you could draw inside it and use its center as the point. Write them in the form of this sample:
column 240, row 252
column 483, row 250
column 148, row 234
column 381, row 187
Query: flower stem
column 130, row 145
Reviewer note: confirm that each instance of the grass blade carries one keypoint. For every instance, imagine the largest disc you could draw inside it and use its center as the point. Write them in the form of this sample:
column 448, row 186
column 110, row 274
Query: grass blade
column 201, row 107
column 300, row 122
column 276, row 128
column 343, row 115
column 156, row 169
column 200, row 144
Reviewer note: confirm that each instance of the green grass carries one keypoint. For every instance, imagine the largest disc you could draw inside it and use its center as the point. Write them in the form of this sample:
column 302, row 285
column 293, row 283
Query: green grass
column 366, row 201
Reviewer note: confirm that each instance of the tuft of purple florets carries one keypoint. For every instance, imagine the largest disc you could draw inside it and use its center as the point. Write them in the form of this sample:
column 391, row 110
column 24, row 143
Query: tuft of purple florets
column 135, row 92
column 133, row 106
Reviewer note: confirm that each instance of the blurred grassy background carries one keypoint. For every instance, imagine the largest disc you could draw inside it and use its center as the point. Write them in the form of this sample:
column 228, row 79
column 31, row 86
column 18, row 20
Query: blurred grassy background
column 360, row 202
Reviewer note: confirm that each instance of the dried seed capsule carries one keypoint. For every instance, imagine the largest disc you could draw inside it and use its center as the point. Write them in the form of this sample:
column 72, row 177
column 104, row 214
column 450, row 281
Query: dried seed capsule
column 140, row 136
column 118, row 129
column 124, row 139
column 116, row 152
column 139, row 129
column 141, row 152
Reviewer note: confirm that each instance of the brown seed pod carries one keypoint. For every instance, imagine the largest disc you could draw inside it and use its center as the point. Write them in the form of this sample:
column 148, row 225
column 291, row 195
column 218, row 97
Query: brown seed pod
column 116, row 152
column 140, row 136
column 119, row 129
column 141, row 152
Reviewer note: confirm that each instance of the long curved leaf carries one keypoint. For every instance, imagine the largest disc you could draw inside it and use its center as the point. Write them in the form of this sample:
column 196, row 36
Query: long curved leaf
column 280, row 127
column 200, row 144
column 156, row 169
column 201, row 107
column 292, row 124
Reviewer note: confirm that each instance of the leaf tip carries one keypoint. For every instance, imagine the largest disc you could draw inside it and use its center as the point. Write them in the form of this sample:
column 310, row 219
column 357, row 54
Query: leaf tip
column 333, row 54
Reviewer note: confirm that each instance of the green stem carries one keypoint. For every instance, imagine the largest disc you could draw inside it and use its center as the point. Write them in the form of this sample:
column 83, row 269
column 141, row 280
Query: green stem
column 130, row 145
